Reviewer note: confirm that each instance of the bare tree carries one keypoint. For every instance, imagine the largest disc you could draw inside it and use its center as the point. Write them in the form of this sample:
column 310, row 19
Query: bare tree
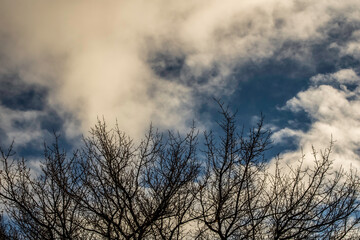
column 137, row 192
column 109, row 189
column 313, row 202
column 164, row 188
column 241, row 199
column 38, row 205
column 231, row 200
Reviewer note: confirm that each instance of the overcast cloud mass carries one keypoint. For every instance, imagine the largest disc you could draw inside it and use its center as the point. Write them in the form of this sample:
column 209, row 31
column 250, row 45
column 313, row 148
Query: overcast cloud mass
column 63, row 64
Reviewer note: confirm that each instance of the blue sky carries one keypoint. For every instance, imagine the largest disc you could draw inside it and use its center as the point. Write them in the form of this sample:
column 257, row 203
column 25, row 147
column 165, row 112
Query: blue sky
column 65, row 63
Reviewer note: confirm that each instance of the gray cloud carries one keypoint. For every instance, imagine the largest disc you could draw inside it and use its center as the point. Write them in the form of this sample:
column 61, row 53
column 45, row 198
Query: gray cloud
column 20, row 126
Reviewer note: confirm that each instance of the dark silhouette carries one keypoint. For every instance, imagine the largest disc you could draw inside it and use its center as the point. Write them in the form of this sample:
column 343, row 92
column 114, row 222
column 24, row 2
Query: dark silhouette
column 164, row 188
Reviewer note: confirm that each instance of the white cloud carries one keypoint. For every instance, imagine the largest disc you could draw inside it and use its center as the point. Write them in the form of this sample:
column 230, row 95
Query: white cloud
column 92, row 55
column 279, row 136
column 333, row 112
column 344, row 76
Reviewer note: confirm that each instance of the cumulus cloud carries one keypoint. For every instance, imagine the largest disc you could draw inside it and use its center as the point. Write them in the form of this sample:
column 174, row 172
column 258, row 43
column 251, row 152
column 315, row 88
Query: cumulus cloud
column 351, row 48
column 95, row 57
column 334, row 112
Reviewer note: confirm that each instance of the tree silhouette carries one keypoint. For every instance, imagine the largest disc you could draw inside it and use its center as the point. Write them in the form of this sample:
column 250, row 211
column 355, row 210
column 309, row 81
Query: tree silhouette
column 231, row 198
column 165, row 188
column 136, row 192
column 313, row 202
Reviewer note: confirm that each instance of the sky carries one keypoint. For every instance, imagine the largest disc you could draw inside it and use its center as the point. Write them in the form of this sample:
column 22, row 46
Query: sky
column 64, row 64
